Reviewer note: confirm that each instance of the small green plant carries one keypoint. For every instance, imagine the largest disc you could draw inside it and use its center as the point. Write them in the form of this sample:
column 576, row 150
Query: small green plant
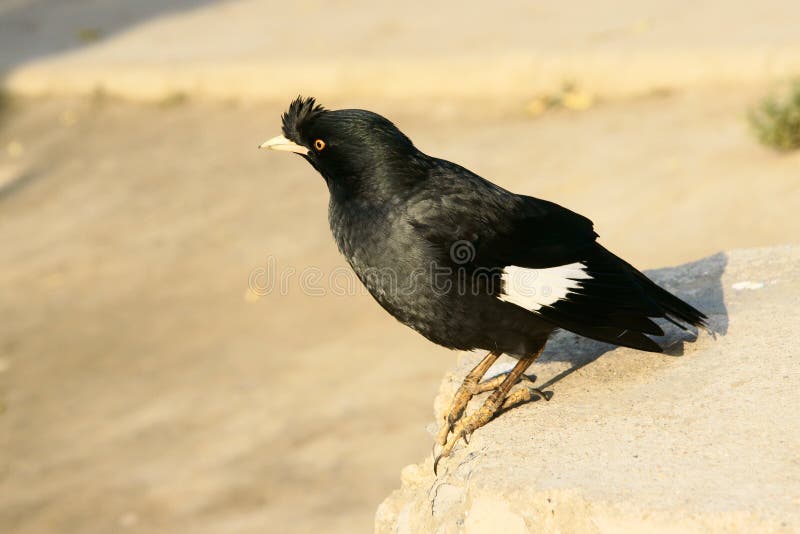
column 776, row 121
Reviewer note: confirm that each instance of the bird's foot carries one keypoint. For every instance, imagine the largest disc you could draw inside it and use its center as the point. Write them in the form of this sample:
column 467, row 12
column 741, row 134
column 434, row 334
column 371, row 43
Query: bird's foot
column 469, row 387
column 467, row 390
column 522, row 393
column 457, row 426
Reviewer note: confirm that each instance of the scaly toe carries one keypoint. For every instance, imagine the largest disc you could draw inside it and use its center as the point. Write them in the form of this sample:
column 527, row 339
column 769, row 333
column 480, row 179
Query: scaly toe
column 444, row 431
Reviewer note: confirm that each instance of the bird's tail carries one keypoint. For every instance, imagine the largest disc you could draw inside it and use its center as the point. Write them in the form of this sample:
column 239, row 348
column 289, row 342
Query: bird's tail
column 617, row 304
column 675, row 310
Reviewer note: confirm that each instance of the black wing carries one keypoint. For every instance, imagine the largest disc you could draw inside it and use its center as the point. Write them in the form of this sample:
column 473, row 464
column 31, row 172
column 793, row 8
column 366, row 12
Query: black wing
column 504, row 228
column 615, row 303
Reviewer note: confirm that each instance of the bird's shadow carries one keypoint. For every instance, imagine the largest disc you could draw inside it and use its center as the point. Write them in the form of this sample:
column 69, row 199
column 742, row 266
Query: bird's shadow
column 699, row 283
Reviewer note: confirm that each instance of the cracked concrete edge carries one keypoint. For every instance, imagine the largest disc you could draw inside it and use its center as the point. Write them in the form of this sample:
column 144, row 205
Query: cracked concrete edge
column 455, row 508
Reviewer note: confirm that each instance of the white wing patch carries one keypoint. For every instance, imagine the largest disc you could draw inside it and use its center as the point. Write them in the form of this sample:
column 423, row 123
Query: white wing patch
column 534, row 288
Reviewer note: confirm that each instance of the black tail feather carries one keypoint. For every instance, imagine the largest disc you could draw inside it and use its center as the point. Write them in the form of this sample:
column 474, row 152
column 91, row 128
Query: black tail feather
column 676, row 310
column 618, row 304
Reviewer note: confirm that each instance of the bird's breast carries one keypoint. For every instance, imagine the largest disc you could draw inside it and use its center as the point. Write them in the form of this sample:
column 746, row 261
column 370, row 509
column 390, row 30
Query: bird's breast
column 388, row 256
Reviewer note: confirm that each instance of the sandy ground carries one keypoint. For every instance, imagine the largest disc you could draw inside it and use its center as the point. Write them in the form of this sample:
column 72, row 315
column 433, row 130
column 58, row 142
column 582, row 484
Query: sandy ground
column 451, row 48
column 144, row 387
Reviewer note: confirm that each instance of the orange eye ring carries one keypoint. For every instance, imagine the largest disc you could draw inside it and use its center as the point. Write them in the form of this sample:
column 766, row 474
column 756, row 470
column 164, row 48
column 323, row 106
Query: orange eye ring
column 319, row 145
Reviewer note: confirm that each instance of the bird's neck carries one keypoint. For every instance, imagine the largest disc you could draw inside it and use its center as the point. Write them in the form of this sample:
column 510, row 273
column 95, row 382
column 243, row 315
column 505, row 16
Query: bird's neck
column 388, row 182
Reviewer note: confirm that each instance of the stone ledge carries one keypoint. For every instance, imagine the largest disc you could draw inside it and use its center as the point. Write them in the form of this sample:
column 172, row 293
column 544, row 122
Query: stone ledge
column 703, row 438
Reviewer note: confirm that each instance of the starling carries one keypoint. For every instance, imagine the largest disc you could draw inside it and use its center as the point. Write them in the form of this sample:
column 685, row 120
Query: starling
column 466, row 263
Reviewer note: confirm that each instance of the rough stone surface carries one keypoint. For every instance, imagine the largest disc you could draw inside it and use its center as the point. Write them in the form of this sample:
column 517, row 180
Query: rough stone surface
column 703, row 438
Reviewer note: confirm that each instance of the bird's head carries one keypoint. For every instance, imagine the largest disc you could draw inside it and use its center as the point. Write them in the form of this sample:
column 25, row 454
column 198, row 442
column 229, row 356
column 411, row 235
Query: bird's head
column 351, row 148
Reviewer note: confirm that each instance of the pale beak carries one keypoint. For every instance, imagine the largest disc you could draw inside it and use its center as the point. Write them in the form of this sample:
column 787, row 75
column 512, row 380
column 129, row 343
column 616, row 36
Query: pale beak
column 281, row 143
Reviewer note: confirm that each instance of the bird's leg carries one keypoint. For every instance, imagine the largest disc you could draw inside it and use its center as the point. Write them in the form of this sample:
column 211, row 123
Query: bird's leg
column 462, row 398
column 496, row 401
column 469, row 387
column 525, row 381
column 520, row 393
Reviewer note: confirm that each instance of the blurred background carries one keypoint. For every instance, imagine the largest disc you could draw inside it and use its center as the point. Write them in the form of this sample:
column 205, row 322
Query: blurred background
column 151, row 378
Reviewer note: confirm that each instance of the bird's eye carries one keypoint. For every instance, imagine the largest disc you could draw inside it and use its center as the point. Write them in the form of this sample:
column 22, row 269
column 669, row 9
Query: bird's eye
column 319, row 144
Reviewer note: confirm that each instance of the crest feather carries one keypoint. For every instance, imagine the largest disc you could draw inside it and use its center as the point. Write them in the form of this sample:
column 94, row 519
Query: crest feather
column 301, row 111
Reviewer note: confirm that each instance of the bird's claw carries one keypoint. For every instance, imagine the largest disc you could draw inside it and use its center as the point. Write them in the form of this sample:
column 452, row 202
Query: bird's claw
column 457, row 425
column 441, row 442
column 446, row 449
column 463, row 430
column 451, row 432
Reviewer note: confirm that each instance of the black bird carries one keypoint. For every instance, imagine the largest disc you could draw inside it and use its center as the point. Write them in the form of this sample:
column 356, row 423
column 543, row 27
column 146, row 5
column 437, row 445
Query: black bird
column 466, row 263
